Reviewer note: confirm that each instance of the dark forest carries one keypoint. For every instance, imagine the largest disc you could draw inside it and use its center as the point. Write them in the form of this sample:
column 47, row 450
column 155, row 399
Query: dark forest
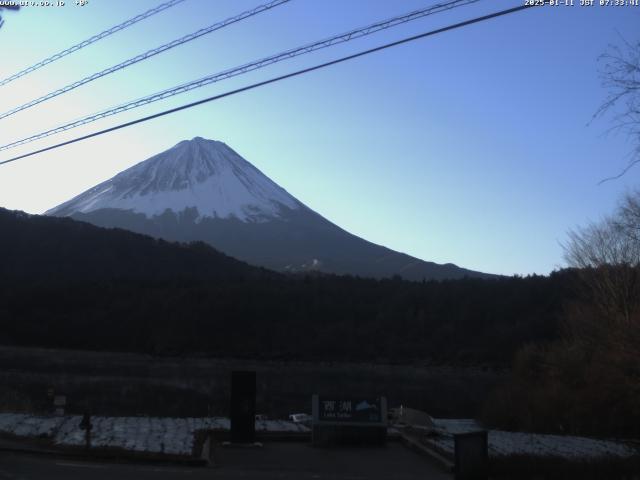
column 69, row 284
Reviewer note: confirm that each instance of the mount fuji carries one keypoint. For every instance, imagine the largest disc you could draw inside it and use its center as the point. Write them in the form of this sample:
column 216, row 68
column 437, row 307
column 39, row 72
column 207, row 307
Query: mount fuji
column 202, row 190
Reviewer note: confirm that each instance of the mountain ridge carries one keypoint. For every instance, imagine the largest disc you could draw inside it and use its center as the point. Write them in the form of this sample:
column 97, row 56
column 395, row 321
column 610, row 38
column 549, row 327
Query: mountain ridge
column 202, row 190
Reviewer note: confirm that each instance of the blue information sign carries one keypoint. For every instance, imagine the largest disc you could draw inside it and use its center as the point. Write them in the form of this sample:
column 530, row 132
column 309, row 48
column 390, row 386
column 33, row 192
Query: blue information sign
column 350, row 410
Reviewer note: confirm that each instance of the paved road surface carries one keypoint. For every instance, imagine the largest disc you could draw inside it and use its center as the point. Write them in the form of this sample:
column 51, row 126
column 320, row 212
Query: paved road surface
column 274, row 461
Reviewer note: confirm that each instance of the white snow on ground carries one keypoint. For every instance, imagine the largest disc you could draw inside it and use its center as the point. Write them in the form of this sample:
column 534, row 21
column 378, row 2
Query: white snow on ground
column 69, row 432
column 29, row 425
column 503, row 443
column 173, row 436
column 281, row 426
column 455, row 425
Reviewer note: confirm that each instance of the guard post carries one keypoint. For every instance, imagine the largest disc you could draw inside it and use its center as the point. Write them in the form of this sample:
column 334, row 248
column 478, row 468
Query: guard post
column 243, row 407
column 471, row 455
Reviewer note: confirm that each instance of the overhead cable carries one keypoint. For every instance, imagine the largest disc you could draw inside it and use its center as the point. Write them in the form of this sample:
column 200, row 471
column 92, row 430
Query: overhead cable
column 248, row 67
column 269, row 81
column 146, row 55
column 90, row 40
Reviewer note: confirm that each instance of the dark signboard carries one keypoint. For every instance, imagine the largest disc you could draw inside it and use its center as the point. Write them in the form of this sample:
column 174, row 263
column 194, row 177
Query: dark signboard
column 350, row 410
column 349, row 420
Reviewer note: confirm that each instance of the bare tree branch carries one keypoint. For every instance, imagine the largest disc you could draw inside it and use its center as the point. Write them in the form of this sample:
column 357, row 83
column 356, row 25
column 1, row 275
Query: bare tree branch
column 620, row 76
column 607, row 256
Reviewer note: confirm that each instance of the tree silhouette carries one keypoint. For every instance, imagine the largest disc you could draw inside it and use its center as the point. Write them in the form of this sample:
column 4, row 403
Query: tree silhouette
column 620, row 75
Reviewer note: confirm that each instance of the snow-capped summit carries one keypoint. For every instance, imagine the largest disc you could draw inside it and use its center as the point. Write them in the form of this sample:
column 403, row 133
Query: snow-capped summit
column 201, row 190
column 198, row 173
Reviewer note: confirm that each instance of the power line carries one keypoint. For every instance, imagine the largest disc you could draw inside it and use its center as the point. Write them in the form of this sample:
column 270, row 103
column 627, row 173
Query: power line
column 89, row 41
column 274, row 80
column 146, row 55
column 255, row 65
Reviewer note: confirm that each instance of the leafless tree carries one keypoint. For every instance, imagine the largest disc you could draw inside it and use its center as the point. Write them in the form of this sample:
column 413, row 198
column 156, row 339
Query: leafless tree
column 620, row 75
column 629, row 216
column 607, row 255
column 587, row 381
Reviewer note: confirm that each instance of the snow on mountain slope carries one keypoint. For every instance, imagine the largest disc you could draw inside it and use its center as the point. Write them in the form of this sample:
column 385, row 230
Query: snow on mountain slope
column 201, row 190
column 202, row 174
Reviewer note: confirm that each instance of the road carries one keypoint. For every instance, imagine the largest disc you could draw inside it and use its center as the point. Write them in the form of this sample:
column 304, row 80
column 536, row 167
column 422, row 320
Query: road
column 274, row 461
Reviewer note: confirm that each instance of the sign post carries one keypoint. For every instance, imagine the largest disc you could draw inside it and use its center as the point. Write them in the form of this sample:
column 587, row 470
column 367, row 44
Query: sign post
column 59, row 403
column 86, row 425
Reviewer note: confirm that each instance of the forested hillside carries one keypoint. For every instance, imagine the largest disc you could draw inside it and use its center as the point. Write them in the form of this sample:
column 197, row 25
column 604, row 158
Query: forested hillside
column 72, row 285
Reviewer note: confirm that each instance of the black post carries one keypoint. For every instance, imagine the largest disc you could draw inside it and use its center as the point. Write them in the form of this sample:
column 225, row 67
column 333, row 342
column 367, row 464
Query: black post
column 471, row 455
column 85, row 425
column 243, row 407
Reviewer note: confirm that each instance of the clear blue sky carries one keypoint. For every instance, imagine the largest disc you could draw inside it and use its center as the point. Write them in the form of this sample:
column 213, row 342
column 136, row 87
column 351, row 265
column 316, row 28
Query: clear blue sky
column 472, row 147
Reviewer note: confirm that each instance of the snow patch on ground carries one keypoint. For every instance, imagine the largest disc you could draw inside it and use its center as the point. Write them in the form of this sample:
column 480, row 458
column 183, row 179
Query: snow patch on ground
column 29, row 425
column 174, row 436
column 502, row 443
